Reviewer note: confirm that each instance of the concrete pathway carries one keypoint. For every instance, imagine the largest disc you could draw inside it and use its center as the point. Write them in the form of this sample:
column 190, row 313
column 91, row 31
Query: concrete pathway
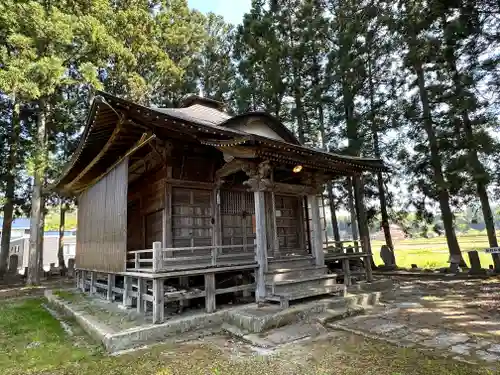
column 452, row 318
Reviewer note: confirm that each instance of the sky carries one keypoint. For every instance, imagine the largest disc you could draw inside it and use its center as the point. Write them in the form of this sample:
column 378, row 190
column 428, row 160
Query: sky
column 231, row 10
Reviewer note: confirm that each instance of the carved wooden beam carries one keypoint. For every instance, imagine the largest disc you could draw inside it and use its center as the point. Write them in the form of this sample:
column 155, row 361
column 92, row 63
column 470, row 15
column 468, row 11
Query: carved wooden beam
column 260, row 176
column 229, row 168
column 279, row 187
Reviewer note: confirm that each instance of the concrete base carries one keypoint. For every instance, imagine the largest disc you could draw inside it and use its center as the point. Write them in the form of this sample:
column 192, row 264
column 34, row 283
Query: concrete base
column 141, row 335
column 239, row 321
column 255, row 319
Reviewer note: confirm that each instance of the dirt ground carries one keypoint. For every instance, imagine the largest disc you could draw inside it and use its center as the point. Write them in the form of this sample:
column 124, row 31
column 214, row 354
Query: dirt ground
column 454, row 318
column 425, row 327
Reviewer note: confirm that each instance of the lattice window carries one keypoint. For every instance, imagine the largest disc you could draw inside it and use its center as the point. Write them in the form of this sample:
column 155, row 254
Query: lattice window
column 237, row 202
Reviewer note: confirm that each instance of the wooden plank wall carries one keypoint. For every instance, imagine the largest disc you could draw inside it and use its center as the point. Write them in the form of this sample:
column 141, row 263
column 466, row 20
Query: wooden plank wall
column 102, row 223
column 146, row 200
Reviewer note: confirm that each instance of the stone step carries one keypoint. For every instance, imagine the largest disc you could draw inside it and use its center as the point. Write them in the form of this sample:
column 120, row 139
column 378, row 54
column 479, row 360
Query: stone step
column 338, row 313
column 295, row 273
column 284, row 298
column 302, row 284
column 290, row 263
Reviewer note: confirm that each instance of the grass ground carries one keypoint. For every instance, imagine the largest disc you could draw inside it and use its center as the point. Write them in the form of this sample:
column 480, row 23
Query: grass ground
column 33, row 342
column 433, row 252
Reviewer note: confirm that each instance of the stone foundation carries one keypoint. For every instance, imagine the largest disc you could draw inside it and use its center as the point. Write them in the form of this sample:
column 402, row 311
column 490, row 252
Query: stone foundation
column 239, row 321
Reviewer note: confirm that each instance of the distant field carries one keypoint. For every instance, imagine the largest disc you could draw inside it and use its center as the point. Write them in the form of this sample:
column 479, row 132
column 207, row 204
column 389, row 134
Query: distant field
column 433, row 252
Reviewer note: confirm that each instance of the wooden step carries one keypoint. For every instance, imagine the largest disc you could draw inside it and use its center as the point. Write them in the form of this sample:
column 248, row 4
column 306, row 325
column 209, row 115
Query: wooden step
column 295, row 285
column 290, row 263
column 285, row 298
column 295, row 273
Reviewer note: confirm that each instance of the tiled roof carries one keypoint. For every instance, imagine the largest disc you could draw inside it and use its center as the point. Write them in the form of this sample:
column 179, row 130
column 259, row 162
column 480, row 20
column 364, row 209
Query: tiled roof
column 197, row 113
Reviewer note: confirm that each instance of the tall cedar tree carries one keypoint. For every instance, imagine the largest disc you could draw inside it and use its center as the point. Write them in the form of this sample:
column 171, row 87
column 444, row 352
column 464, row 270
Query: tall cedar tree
column 412, row 24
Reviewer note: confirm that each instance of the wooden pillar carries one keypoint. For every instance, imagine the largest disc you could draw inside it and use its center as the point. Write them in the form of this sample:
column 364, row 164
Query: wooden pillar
column 273, row 226
column 92, row 282
column 140, row 291
column 316, row 233
column 167, row 215
column 347, row 271
column 363, row 225
column 158, row 301
column 184, row 283
column 157, row 257
column 111, row 284
column 216, row 220
column 261, row 244
column 210, row 292
column 83, row 279
column 127, row 288
column 77, row 279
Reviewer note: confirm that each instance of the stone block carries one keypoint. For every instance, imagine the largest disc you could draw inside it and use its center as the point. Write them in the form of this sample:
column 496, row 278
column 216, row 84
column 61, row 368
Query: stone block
column 387, row 256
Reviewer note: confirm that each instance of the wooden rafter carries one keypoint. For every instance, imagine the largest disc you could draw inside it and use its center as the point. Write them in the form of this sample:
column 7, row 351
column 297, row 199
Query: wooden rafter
column 106, row 147
column 144, row 140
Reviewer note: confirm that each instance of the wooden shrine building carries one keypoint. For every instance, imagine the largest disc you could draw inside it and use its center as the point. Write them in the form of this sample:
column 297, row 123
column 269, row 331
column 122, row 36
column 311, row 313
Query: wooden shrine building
column 176, row 204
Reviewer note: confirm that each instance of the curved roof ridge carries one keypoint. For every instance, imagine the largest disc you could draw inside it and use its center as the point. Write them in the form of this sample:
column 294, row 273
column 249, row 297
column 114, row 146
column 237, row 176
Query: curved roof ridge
column 275, row 125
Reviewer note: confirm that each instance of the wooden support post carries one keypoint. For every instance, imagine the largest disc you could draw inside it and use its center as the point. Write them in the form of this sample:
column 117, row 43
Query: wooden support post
column 83, row 280
column 214, row 255
column 167, row 216
column 184, row 283
column 210, row 292
column 157, row 257
column 274, row 230
column 216, row 228
column 77, row 279
column 216, row 222
column 246, row 293
column 127, row 288
column 158, row 301
column 368, row 268
column 137, row 263
column 111, row 284
column 140, row 291
column 92, row 282
column 316, row 233
column 347, row 272
column 261, row 248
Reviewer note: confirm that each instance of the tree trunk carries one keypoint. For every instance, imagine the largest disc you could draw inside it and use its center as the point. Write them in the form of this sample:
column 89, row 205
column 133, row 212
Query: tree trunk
column 8, row 208
column 443, row 194
column 352, row 209
column 478, row 171
column 60, row 252
column 37, row 200
column 380, row 179
column 40, row 236
column 329, row 185
column 335, row 223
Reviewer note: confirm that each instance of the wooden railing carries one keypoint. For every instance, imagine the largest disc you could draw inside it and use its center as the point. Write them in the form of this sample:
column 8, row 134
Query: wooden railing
column 345, row 254
column 160, row 259
column 340, row 247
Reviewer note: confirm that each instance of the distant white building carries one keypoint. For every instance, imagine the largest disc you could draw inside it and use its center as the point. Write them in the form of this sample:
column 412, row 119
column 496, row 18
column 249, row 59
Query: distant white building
column 19, row 250
column 20, row 227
